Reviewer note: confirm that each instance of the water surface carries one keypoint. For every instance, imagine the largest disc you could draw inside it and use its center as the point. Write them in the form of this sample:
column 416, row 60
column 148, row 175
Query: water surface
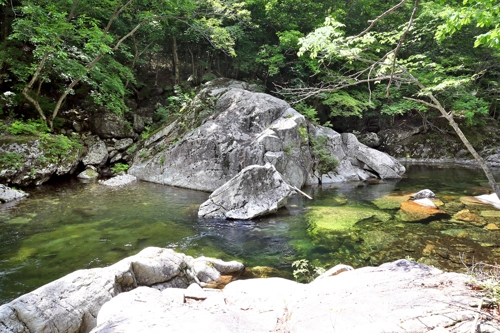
column 72, row 225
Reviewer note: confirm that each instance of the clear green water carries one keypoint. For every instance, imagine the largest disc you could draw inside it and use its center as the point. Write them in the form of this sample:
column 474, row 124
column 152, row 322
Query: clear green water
column 71, row 225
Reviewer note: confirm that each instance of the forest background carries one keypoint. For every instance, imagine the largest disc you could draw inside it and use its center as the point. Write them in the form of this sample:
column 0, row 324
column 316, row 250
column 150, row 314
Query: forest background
column 348, row 64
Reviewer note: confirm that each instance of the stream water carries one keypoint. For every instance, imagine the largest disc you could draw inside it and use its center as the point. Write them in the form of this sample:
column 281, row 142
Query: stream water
column 72, row 225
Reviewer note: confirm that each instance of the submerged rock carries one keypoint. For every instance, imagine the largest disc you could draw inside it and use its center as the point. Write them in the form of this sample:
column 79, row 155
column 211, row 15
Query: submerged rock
column 466, row 215
column 8, row 194
column 412, row 211
column 255, row 191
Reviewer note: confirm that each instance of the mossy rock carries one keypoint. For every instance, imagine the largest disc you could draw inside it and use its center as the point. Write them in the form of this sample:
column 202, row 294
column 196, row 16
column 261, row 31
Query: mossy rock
column 340, row 218
column 466, row 216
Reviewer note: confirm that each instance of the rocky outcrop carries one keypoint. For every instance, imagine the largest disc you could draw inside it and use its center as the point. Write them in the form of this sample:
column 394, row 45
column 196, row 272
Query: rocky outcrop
column 228, row 128
column 255, row 191
column 8, row 194
column 401, row 296
column 71, row 303
column 32, row 160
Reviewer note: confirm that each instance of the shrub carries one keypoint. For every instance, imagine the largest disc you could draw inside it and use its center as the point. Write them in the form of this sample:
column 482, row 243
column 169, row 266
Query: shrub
column 119, row 167
column 30, row 127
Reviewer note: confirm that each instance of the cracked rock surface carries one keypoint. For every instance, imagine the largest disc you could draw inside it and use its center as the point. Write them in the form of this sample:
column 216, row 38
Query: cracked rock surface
column 255, row 191
column 400, row 296
column 71, row 303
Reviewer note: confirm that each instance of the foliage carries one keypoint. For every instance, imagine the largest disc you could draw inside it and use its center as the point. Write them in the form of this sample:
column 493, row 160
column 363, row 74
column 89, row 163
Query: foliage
column 119, row 167
column 305, row 272
column 326, row 162
column 57, row 147
column 485, row 14
column 11, row 160
column 486, row 277
column 30, row 127
column 180, row 99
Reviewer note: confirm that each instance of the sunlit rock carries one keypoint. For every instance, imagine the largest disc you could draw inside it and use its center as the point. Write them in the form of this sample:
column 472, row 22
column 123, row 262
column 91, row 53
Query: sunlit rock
column 423, row 194
column 255, row 191
column 411, row 211
column 88, row 173
column 474, row 203
column 119, row 180
column 491, row 199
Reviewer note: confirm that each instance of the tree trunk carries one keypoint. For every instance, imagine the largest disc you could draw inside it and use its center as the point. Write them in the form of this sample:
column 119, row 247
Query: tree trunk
column 437, row 105
column 175, row 57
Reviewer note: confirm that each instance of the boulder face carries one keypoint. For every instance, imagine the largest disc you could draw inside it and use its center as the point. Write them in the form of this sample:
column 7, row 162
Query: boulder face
column 71, row 303
column 214, row 141
column 30, row 160
column 8, row 194
column 255, row 191
column 401, row 296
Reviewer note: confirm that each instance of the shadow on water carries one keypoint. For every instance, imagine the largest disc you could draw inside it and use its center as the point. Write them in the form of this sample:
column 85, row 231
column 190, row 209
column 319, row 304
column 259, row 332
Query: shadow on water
column 67, row 226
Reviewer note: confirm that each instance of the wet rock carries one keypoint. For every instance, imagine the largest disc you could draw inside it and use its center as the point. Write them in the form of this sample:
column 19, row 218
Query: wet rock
column 8, row 194
column 423, row 194
column 413, row 212
column 323, row 219
column 425, row 202
column 255, row 191
column 491, row 226
column 118, row 180
column 474, row 203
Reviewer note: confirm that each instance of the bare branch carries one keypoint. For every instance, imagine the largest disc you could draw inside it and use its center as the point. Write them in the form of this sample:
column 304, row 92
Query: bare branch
column 400, row 43
column 422, row 102
column 381, row 16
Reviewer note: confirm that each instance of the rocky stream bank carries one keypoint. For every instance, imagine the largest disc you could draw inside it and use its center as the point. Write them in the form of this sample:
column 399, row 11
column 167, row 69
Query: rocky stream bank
column 159, row 290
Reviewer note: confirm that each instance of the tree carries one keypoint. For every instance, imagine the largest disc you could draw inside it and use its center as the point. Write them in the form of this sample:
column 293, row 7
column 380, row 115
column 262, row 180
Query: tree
column 370, row 61
column 84, row 42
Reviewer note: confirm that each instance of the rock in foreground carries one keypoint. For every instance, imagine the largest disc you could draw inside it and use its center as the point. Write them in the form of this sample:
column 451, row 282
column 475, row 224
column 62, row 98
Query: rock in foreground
column 401, row 296
column 255, row 191
column 71, row 303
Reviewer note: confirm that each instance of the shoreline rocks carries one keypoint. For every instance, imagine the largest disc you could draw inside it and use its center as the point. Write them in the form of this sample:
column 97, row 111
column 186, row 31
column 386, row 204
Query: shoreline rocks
column 159, row 290
column 71, row 303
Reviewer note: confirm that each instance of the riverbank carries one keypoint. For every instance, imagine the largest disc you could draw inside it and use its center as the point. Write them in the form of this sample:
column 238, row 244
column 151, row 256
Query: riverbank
column 147, row 292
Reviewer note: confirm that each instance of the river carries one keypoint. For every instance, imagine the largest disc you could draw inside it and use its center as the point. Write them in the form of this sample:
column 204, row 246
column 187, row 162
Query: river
column 68, row 225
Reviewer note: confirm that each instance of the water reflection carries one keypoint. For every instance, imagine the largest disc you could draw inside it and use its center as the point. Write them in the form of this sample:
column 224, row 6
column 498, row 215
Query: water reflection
column 71, row 225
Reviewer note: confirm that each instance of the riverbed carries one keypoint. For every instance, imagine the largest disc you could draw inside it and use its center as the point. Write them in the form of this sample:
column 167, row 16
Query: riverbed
column 68, row 225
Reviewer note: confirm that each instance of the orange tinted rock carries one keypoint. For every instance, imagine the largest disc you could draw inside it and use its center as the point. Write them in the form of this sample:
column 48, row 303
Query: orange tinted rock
column 413, row 212
column 491, row 226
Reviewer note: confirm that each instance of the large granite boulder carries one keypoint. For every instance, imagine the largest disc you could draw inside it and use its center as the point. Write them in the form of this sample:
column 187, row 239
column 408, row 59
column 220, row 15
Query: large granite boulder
column 227, row 128
column 31, row 160
column 401, row 296
column 71, row 303
column 255, row 191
